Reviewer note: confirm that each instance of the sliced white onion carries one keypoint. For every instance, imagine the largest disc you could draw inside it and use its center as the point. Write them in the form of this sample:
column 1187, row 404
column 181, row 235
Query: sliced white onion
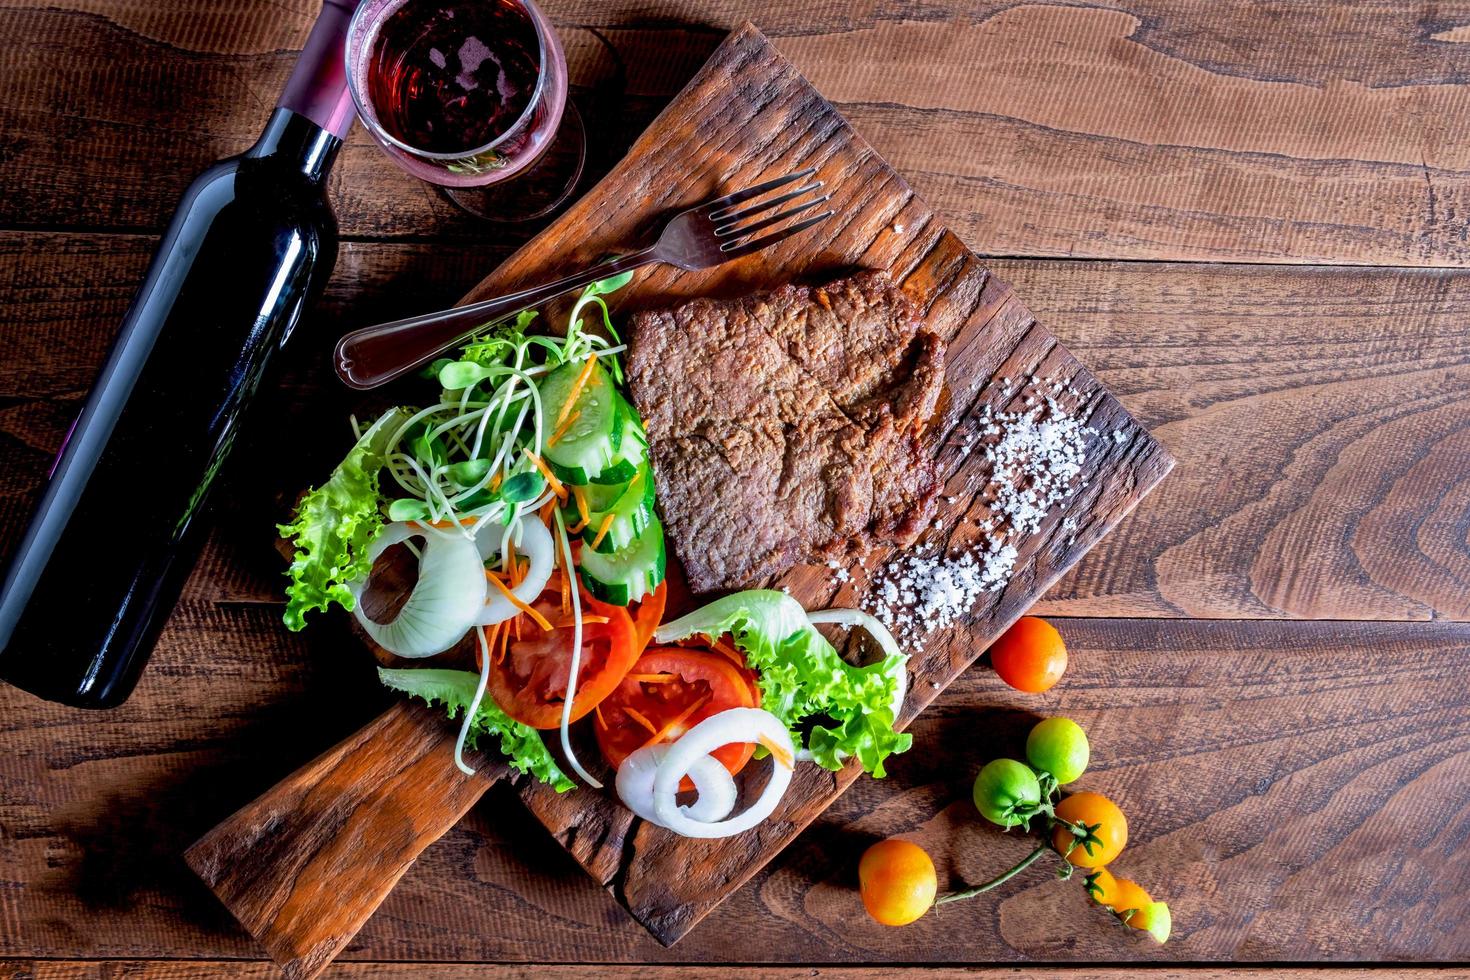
column 879, row 632
column 712, row 781
column 537, row 545
column 444, row 602
column 735, row 725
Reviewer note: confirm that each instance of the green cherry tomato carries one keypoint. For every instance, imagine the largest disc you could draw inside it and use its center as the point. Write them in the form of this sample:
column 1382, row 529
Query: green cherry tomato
column 1058, row 746
column 1007, row 792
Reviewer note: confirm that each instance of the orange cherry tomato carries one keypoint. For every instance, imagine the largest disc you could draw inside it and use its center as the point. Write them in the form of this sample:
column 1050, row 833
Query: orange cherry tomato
column 1109, row 830
column 897, row 881
column 669, row 691
column 1030, row 656
column 1102, row 887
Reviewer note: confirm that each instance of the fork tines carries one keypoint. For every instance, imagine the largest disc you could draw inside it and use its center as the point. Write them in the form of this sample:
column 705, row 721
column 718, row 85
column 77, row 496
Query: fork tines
column 728, row 221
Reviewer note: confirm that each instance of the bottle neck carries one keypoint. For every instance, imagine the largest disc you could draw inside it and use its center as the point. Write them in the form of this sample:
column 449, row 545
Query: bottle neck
column 317, row 88
column 299, row 143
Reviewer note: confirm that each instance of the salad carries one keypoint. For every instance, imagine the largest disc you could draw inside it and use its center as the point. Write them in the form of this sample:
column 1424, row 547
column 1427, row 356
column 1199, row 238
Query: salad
column 525, row 495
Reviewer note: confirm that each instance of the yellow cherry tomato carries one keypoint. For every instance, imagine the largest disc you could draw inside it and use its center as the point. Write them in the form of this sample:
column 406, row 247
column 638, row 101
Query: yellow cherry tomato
column 1109, row 830
column 1153, row 918
column 897, row 881
column 1102, row 887
column 1128, row 896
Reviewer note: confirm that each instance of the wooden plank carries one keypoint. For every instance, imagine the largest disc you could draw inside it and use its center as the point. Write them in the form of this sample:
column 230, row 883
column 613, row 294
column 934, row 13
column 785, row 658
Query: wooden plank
column 1153, row 129
column 745, row 117
column 1295, row 790
column 237, row 970
column 336, row 835
column 1309, row 408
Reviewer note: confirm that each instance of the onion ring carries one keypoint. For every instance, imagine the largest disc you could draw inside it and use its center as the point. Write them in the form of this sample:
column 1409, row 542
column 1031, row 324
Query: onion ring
column 536, row 544
column 712, row 781
column 731, row 725
column 443, row 604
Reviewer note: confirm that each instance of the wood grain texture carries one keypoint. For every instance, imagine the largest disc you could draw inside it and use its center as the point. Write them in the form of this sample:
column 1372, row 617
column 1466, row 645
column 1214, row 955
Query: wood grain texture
column 1151, row 129
column 1297, row 791
column 1314, row 411
column 746, row 116
column 236, row 970
column 303, row 866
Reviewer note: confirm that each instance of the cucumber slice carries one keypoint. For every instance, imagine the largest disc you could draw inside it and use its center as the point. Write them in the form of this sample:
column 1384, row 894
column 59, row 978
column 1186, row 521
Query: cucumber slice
column 630, row 513
column 632, row 452
column 627, row 575
column 590, row 443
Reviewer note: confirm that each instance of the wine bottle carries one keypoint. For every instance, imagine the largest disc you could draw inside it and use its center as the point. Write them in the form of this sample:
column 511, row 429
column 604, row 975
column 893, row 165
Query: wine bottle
column 118, row 525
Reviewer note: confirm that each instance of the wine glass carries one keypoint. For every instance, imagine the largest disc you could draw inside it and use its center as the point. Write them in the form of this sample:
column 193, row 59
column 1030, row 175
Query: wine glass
column 466, row 95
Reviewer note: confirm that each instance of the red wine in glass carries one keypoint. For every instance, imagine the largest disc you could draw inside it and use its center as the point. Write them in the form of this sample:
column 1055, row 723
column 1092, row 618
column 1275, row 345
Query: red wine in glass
column 467, row 94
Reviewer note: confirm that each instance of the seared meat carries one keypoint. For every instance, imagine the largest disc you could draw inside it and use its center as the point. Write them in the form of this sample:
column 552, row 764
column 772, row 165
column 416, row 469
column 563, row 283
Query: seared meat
column 788, row 426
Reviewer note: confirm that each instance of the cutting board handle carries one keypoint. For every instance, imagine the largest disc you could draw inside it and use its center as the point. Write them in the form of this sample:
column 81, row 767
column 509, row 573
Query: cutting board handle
column 305, row 865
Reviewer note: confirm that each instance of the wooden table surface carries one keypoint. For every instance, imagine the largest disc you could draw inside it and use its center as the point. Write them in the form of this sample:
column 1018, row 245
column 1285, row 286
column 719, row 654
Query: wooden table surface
column 1247, row 218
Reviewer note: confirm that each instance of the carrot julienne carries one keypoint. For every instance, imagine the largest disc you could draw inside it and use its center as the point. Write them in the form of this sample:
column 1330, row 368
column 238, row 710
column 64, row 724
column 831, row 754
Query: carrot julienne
column 550, row 477
column 602, row 529
column 678, row 720
column 638, row 717
column 522, row 606
column 577, row 387
column 651, row 678
column 561, row 429
column 597, row 710
column 777, row 752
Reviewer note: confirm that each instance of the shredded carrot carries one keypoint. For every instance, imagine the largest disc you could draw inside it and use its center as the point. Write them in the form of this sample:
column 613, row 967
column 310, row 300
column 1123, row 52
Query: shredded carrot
column 551, row 480
column 577, row 387
column 495, row 482
column 729, row 653
column 651, row 678
column 580, row 496
column 586, row 621
column 678, row 720
column 602, row 529
column 517, row 621
column 504, row 645
column 777, row 753
column 597, row 710
column 443, row 525
column 561, row 430
column 528, row 610
column 641, row 720
column 545, row 511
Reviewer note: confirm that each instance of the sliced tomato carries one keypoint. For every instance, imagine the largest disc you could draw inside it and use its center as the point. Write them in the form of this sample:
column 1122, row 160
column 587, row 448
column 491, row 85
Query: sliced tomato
column 650, row 613
column 530, row 681
column 669, row 691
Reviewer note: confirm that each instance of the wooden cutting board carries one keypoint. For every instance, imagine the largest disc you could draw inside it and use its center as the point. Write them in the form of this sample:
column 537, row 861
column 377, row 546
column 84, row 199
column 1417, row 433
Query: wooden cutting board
column 746, row 116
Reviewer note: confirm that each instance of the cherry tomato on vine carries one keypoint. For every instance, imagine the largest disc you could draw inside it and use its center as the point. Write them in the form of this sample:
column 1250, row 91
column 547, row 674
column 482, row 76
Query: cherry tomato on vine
column 1127, row 896
column 897, row 881
column 1155, row 919
column 1058, row 746
column 1102, row 887
column 1030, row 656
column 1108, row 830
column 1007, row 792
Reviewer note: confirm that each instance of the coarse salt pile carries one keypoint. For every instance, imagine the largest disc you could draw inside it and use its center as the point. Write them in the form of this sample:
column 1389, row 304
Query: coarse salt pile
column 1036, row 456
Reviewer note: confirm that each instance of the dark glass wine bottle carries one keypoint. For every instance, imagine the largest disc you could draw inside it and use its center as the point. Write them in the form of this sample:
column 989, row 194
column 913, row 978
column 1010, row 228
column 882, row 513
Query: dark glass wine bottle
column 118, row 525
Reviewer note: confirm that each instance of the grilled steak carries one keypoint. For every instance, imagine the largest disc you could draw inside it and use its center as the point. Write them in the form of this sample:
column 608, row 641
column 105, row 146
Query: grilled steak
column 787, row 426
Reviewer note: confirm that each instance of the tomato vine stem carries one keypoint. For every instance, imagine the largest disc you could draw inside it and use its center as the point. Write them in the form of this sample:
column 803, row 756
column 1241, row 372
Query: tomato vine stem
column 999, row 879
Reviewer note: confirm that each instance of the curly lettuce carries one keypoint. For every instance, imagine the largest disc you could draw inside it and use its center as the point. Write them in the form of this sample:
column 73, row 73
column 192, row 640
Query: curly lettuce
column 335, row 523
column 802, row 676
column 455, row 689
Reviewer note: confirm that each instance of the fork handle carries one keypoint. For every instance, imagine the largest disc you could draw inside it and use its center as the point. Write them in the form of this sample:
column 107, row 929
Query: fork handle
column 378, row 354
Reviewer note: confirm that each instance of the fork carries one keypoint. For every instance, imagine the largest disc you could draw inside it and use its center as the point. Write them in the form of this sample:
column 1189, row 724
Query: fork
column 703, row 236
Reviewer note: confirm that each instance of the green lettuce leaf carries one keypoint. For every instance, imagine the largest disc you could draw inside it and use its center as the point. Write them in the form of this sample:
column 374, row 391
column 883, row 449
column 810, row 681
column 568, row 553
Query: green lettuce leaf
column 802, row 675
column 334, row 525
column 455, row 689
